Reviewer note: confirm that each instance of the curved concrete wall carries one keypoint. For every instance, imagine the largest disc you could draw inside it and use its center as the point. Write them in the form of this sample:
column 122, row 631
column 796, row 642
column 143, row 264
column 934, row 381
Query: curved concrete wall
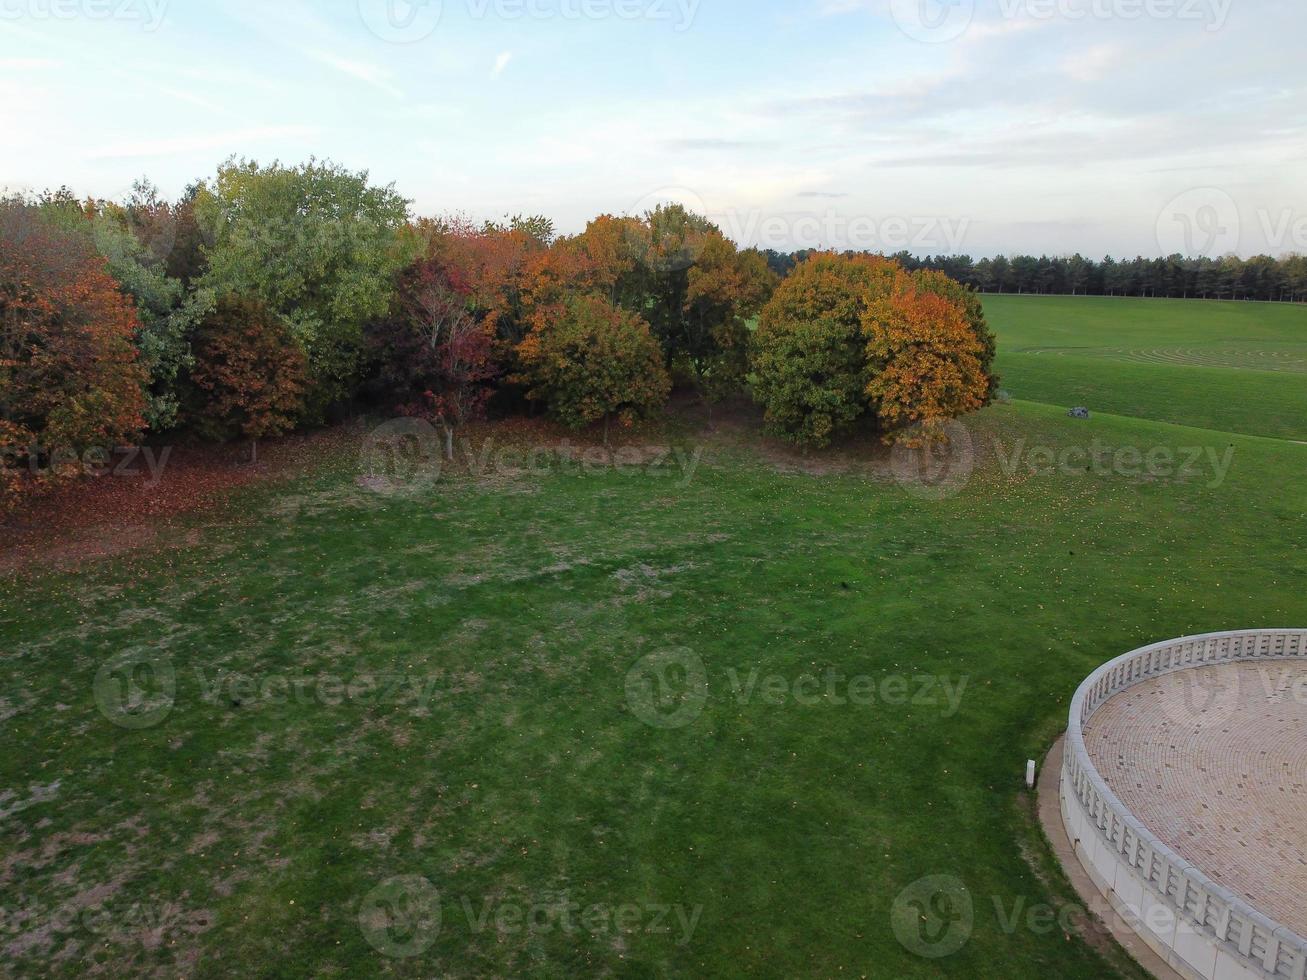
column 1201, row 928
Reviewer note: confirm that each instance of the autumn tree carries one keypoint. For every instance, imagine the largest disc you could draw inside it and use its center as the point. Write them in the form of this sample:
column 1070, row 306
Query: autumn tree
column 319, row 246
column 500, row 263
column 136, row 237
column 924, row 360
column 167, row 310
column 434, row 353
column 809, row 365
column 249, row 375
column 677, row 238
column 589, row 361
column 855, row 335
column 726, row 288
column 617, row 253
column 934, row 281
column 70, row 377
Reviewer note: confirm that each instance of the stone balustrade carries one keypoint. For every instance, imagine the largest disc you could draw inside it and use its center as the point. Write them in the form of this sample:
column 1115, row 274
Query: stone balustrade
column 1201, row 928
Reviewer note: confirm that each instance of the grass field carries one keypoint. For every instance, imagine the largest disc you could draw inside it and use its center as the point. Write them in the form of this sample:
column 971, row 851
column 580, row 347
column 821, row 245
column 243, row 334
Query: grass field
column 1238, row 367
column 745, row 824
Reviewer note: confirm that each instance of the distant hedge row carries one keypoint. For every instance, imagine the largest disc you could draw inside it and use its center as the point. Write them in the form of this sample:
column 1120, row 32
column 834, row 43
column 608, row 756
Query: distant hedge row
column 1229, row 277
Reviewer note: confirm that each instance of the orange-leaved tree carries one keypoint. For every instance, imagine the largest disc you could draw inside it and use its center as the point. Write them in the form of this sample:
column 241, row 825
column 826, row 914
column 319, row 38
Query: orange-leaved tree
column 70, row 377
column 850, row 335
column 933, row 281
column 589, row 361
column 924, row 361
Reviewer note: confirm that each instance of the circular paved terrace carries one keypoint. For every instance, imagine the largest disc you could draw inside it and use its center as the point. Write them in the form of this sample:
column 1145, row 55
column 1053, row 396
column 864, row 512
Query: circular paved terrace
column 1213, row 761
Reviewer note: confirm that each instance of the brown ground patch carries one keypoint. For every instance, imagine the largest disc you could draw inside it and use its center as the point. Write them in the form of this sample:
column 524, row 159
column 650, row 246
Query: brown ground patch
column 102, row 517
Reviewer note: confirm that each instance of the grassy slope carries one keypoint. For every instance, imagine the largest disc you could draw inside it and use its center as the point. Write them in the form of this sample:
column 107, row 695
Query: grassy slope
column 794, row 827
column 1238, row 367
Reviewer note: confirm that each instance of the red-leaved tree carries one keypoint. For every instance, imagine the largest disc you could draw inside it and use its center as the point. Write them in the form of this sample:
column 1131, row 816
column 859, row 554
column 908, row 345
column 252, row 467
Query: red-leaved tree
column 435, row 352
column 250, row 376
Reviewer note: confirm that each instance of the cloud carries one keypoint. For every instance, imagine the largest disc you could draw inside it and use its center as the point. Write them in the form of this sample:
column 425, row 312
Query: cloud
column 371, row 74
column 29, row 64
column 232, row 141
column 710, row 143
column 1093, row 63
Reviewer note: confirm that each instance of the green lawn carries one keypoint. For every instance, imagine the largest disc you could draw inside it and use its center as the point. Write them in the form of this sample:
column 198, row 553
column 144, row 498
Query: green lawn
column 246, row 831
column 1238, row 367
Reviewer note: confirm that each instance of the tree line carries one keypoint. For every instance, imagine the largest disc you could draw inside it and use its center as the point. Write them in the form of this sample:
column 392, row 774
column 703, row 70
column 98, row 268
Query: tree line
column 271, row 298
column 1260, row 278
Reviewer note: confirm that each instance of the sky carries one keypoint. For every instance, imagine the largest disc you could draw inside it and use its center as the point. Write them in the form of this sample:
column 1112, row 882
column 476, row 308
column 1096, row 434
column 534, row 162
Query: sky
column 938, row 126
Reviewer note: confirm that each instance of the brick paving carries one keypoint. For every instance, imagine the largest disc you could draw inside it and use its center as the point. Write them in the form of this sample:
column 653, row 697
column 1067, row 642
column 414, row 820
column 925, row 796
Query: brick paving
column 1214, row 762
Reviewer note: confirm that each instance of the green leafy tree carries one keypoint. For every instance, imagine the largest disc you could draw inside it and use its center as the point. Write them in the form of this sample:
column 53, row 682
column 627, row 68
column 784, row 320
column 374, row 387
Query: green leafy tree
column 320, row 246
column 589, row 361
column 726, row 288
column 809, row 365
column 167, row 311
column 677, row 238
